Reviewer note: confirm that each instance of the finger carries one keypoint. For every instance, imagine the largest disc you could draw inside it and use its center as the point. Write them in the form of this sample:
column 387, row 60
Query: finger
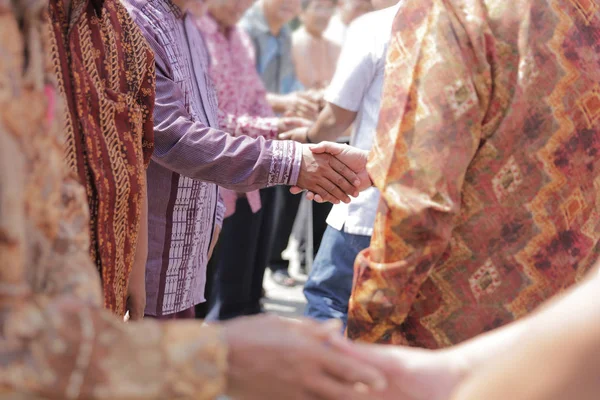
column 285, row 136
column 325, row 195
column 330, row 183
column 347, row 188
column 351, row 370
column 323, row 331
column 310, row 196
column 317, row 199
column 326, row 388
column 296, row 190
column 327, row 147
column 349, row 176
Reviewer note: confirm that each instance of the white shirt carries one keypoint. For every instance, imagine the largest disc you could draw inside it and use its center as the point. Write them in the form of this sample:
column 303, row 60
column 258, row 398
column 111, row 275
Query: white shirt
column 357, row 86
column 336, row 30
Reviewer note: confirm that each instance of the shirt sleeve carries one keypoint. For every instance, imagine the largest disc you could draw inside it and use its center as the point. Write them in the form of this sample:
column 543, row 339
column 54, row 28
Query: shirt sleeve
column 192, row 149
column 355, row 70
column 437, row 89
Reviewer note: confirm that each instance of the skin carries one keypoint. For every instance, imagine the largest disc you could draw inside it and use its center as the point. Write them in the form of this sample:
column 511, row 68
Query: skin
column 381, row 4
column 136, row 291
column 315, row 57
column 332, row 123
column 352, row 9
column 553, row 354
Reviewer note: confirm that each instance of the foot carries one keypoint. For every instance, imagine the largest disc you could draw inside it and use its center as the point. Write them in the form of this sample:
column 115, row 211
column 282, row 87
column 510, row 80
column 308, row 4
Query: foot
column 283, row 278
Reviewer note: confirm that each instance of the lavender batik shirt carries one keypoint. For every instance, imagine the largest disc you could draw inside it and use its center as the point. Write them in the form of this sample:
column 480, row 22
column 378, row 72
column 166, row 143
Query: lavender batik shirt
column 191, row 159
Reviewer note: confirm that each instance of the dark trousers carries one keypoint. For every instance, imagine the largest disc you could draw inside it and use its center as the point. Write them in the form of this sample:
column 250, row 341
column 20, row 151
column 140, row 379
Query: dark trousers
column 286, row 205
column 244, row 250
column 211, row 269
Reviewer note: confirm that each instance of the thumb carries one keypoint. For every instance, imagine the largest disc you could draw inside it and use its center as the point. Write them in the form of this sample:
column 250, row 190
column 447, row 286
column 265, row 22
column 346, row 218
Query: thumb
column 298, row 122
column 327, row 147
column 374, row 355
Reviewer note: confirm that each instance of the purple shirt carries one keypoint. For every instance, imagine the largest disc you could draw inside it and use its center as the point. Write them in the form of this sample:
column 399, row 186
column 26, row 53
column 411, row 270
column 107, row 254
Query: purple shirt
column 191, row 159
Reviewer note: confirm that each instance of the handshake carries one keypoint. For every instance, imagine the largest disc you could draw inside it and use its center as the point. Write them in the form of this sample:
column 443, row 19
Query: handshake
column 273, row 358
column 332, row 172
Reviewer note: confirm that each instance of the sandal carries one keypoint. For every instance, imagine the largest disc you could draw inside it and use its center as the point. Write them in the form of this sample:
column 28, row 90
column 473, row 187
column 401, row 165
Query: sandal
column 282, row 277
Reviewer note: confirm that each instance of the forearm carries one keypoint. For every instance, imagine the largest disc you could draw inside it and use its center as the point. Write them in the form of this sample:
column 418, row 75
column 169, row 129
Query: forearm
column 332, row 123
column 277, row 102
column 192, row 149
column 558, row 347
column 485, row 348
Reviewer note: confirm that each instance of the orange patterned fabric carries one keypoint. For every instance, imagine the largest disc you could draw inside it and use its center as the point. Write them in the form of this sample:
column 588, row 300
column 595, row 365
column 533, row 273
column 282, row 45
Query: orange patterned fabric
column 56, row 340
column 105, row 72
column 488, row 160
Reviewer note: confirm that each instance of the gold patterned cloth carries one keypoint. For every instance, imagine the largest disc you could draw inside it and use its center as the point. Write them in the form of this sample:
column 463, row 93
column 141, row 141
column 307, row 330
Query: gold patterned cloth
column 488, row 160
column 105, row 74
column 56, row 340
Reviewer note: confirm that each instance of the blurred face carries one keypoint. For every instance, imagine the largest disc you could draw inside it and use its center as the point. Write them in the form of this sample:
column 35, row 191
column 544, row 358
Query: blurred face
column 227, row 13
column 352, row 9
column 317, row 15
column 284, row 10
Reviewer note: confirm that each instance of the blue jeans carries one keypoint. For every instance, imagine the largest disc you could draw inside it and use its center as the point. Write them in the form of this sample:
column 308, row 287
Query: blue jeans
column 329, row 285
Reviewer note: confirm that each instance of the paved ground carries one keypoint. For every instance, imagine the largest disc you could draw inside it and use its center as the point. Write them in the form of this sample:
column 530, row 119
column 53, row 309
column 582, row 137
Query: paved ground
column 286, row 302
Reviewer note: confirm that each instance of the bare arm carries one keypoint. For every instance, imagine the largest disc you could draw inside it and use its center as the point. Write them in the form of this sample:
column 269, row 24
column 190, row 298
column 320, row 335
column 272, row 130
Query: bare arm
column 552, row 355
column 332, row 123
column 136, row 293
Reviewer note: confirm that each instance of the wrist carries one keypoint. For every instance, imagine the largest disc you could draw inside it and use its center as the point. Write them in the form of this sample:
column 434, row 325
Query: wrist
column 307, row 138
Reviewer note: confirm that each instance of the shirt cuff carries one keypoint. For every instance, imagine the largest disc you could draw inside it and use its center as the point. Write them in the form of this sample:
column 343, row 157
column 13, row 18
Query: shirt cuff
column 285, row 163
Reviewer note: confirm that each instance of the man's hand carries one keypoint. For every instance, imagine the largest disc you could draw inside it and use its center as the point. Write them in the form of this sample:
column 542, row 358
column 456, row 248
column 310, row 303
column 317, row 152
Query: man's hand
column 215, row 240
column 270, row 358
column 353, row 158
column 297, row 135
column 327, row 177
column 286, row 124
column 302, row 105
column 412, row 374
column 136, row 293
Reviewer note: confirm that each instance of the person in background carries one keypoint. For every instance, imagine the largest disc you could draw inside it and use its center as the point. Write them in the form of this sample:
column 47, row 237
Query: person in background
column 192, row 157
column 266, row 23
column 486, row 157
column 353, row 97
column 109, row 137
column 243, row 110
column 348, row 11
column 314, row 56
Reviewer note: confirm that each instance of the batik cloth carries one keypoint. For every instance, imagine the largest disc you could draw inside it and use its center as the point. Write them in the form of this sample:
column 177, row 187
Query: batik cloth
column 105, row 74
column 57, row 341
column 487, row 158
column 191, row 157
column 242, row 97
